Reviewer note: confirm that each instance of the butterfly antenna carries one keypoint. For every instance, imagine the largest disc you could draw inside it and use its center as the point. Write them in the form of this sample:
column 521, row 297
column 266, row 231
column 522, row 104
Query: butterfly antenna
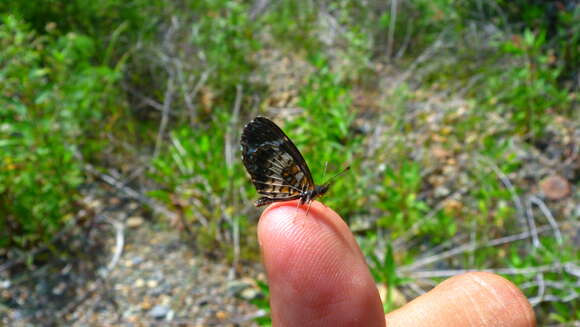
column 324, row 171
column 338, row 174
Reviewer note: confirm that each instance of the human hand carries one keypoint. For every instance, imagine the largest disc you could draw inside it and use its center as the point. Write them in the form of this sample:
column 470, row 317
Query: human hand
column 318, row 277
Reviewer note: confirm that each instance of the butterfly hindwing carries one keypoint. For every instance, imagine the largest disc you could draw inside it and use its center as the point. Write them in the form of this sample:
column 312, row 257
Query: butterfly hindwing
column 278, row 170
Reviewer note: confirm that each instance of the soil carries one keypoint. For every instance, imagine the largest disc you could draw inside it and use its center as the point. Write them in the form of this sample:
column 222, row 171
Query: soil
column 158, row 280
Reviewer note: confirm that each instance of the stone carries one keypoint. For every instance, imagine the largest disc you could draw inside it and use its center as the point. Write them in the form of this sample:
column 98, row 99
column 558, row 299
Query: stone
column 133, row 222
column 159, row 311
column 250, row 294
column 555, row 187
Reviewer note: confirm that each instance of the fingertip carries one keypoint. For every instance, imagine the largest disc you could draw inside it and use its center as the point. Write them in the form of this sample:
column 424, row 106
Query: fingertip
column 281, row 220
column 304, row 237
column 471, row 299
column 315, row 268
column 504, row 297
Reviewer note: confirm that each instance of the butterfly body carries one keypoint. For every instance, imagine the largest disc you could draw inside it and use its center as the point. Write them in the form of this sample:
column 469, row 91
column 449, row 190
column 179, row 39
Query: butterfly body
column 277, row 168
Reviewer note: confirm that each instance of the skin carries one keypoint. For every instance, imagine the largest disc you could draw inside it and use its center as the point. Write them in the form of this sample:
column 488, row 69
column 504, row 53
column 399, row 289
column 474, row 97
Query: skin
column 318, row 277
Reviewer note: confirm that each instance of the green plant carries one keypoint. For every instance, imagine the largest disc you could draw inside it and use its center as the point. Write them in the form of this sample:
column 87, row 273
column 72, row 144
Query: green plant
column 403, row 210
column 410, row 26
column 97, row 20
column 226, row 34
column 323, row 134
column 263, row 303
column 527, row 91
column 385, row 271
column 293, row 25
column 201, row 182
column 50, row 94
column 555, row 287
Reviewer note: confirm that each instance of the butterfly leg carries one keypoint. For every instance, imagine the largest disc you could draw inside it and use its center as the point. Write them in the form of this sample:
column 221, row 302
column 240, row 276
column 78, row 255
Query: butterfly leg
column 296, row 212
column 308, row 210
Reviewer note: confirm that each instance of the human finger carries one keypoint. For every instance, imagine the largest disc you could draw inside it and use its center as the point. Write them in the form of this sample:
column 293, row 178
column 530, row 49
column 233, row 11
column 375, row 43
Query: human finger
column 316, row 271
column 472, row 299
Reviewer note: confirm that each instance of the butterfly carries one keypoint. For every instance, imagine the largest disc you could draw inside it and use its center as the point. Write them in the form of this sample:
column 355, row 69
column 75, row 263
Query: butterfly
column 277, row 168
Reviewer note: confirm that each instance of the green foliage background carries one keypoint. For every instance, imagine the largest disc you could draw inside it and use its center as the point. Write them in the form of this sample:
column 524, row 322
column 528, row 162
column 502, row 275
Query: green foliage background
column 75, row 75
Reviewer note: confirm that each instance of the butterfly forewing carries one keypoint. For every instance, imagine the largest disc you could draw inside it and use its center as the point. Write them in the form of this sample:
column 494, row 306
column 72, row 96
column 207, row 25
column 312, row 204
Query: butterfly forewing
column 277, row 168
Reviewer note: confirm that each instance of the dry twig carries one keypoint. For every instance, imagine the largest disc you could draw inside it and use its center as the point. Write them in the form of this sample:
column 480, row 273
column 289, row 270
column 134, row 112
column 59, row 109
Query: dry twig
column 119, row 245
column 131, row 193
column 556, row 267
column 549, row 217
column 469, row 247
column 393, row 22
column 508, row 184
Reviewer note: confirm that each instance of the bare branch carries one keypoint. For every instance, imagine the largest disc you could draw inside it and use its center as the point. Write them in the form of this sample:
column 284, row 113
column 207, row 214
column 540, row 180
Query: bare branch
column 120, row 186
column 165, row 115
column 231, row 139
column 550, row 283
column 553, row 298
column 428, row 53
column 406, row 40
column 505, row 271
column 532, row 224
column 119, row 244
column 549, row 217
column 392, row 25
column 470, row 247
column 508, row 184
column 541, row 287
column 398, row 243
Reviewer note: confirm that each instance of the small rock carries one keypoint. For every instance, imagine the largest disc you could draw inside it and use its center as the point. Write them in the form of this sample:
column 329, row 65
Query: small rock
column 133, row 319
column 16, row 315
column 114, row 201
column 94, row 204
column 452, row 206
column 152, row 283
column 137, row 260
column 133, row 222
column 250, row 294
column 139, row 282
column 555, row 187
column 235, row 287
column 382, row 292
column 441, row 191
column 159, row 311
column 59, row 289
column 147, row 303
column 439, row 152
column 397, row 296
column 222, row 315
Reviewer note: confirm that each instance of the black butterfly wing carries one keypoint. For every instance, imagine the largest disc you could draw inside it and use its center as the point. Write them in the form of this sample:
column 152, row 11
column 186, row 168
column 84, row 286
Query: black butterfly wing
column 277, row 168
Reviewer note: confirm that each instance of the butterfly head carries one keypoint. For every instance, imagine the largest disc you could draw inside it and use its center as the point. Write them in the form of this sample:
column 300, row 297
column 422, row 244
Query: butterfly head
column 320, row 190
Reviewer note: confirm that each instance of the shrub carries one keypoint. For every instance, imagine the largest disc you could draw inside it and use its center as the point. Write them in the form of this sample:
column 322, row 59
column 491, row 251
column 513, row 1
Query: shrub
column 49, row 94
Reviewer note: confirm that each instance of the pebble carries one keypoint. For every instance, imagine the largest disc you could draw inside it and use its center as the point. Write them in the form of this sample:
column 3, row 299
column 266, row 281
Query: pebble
column 139, row 282
column 250, row 294
column 136, row 221
column 152, row 283
column 555, row 187
column 441, row 191
column 159, row 311
column 137, row 260
column 235, row 287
